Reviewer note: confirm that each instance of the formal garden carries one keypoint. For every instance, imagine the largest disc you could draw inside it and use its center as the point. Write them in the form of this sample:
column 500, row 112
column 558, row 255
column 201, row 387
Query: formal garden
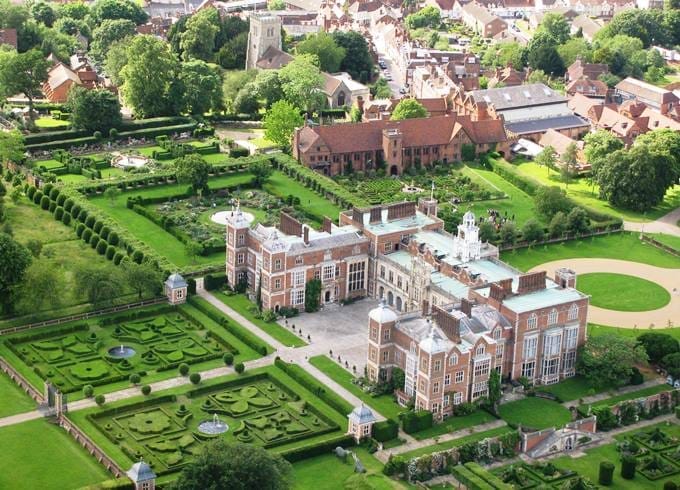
column 265, row 407
column 131, row 348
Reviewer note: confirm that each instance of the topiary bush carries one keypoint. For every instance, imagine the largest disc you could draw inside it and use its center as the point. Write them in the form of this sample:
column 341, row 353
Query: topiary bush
column 88, row 391
column 54, row 193
column 606, row 473
column 58, row 213
column 669, row 485
column 87, row 234
column 53, row 206
column 101, row 246
column 66, row 219
column 113, row 238
column 110, row 252
column 138, row 256
column 195, row 378
column 61, row 198
column 239, row 367
column 100, row 400
column 94, row 240
column 135, row 378
column 68, row 204
column 45, row 202
column 146, row 389
column 184, row 369
column 98, row 225
column 628, row 465
column 117, row 258
column 37, row 197
column 113, row 133
column 228, row 358
column 89, row 221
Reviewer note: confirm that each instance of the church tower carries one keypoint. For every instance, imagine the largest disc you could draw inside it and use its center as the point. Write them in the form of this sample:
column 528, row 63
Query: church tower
column 265, row 32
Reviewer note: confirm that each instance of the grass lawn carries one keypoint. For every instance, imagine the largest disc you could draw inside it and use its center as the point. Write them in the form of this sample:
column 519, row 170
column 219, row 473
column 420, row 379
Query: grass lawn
column 153, row 235
column 328, row 472
column 48, row 164
column 595, row 330
column 38, row 454
column 14, row 399
column 572, row 388
column 314, row 205
column 241, row 304
column 455, row 423
column 621, row 246
column 583, row 193
column 534, row 412
column 622, row 292
column 519, row 203
column 651, row 390
column 442, row 446
column 50, row 123
column 589, row 464
column 383, row 404
column 668, row 240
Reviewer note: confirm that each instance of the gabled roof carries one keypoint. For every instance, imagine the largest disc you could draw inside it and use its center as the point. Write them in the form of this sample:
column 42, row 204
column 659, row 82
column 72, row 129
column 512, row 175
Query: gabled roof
column 60, row 74
column 480, row 13
column 587, row 25
column 518, row 96
column 560, row 142
column 273, row 59
column 427, row 131
column 645, row 90
column 595, row 88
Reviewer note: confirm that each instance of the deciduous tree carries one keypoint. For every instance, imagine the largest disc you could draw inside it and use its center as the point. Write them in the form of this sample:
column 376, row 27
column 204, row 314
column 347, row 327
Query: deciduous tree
column 302, row 83
column 408, row 109
column 193, row 170
column 324, row 47
column 11, row 146
column 608, row 360
column 94, row 110
column 23, row 73
column 117, row 9
column 280, row 122
column 99, row 285
column 109, row 32
column 143, row 278
column 198, row 40
column 202, row 85
column 15, row 260
column 357, row 61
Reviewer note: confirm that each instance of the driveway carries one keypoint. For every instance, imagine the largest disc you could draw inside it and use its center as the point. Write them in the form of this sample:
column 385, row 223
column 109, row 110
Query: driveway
column 667, row 224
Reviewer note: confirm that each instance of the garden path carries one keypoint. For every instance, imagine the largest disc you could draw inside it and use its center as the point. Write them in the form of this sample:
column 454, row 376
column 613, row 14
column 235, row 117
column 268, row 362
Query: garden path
column 665, row 224
column 414, row 444
column 21, row 417
column 620, row 391
column 667, row 278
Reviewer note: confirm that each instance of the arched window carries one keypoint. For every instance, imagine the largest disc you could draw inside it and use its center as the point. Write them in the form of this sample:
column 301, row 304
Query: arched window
column 532, row 321
column 398, row 303
column 573, row 312
column 552, row 317
column 390, row 298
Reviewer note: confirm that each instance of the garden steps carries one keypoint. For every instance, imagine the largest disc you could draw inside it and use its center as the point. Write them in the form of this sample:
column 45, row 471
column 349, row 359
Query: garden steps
column 621, row 391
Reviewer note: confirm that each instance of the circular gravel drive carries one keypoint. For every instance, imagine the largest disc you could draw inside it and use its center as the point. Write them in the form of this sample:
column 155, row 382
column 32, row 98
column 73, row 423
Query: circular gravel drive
column 669, row 279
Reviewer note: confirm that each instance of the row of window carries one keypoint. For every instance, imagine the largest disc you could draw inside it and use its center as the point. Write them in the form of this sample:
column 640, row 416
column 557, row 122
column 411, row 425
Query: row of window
column 552, row 344
column 572, row 314
column 550, row 367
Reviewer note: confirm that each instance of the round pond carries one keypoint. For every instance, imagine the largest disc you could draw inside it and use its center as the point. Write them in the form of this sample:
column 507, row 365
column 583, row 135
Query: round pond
column 121, row 352
column 129, row 161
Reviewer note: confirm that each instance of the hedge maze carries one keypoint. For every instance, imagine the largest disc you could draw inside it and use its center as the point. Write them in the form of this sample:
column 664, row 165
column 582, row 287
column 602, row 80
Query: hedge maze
column 78, row 355
column 259, row 409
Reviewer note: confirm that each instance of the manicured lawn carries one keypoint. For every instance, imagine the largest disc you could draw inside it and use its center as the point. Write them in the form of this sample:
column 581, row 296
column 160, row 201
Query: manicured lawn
column 622, row 292
column 14, row 399
column 534, row 412
column 241, row 304
column 52, row 124
column 589, row 464
column 519, row 203
column 153, row 235
column 38, row 454
column 573, row 388
column 316, row 206
column 651, row 390
column 455, row 423
column 383, row 404
column 581, row 191
column 456, row 442
column 668, row 240
column 328, row 472
column 621, row 246
column 595, row 330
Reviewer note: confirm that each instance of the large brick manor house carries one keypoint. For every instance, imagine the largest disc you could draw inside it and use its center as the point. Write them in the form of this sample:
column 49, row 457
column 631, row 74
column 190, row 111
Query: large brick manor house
column 450, row 310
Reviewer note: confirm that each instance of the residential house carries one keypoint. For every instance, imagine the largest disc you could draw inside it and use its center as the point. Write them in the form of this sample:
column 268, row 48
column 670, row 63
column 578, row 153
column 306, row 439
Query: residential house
column 659, row 99
column 536, row 18
column 506, row 77
column 588, row 27
column 580, row 69
column 382, row 108
column 483, row 22
column 587, row 87
column 561, row 143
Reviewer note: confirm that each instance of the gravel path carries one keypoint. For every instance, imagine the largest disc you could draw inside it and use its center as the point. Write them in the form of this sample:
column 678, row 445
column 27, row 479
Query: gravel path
column 669, row 279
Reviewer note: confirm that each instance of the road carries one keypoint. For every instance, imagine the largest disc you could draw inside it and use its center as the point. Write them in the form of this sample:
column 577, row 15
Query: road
column 398, row 78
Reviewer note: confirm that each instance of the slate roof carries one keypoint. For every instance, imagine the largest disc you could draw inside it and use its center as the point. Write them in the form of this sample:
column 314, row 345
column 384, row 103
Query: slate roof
column 362, row 415
column 141, row 472
column 645, row 90
column 518, row 96
column 175, row 281
column 539, row 125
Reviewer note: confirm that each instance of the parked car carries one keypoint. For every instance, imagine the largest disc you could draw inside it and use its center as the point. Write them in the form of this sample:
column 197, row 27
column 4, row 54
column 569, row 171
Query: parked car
column 402, row 91
column 388, row 77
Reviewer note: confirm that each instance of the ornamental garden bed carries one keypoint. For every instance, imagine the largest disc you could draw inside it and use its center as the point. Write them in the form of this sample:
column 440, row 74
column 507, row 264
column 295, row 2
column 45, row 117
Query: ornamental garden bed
column 96, row 352
column 265, row 408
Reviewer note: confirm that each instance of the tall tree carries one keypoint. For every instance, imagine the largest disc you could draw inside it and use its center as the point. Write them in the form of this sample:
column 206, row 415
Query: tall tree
column 116, row 59
column 598, row 146
column 235, row 466
column 608, row 360
column 198, row 40
column 202, row 87
column 267, row 87
column 323, row 45
column 109, row 32
column 280, row 122
column 429, row 16
column 193, row 170
column 94, row 110
column 261, row 171
column 503, row 54
column 100, row 286
column 550, row 200
column 569, row 161
column 73, row 10
column 143, row 278
column 117, row 9
column 556, row 26
column 541, row 54
column 494, row 390
column 574, row 48
column 43, row 13
column 232, row 56
column 23, row 73
column 546, row 158
column 302, row 83
column 43, row 287
column 15, row 260
column 357, row 61
column 408, row 109
column 149, row 77
column 11, row 146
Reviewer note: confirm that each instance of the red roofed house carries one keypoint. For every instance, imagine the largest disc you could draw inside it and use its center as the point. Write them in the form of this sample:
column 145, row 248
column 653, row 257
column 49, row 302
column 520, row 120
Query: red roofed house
column 396, row 144
column 579, row 69
column 588, row 87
